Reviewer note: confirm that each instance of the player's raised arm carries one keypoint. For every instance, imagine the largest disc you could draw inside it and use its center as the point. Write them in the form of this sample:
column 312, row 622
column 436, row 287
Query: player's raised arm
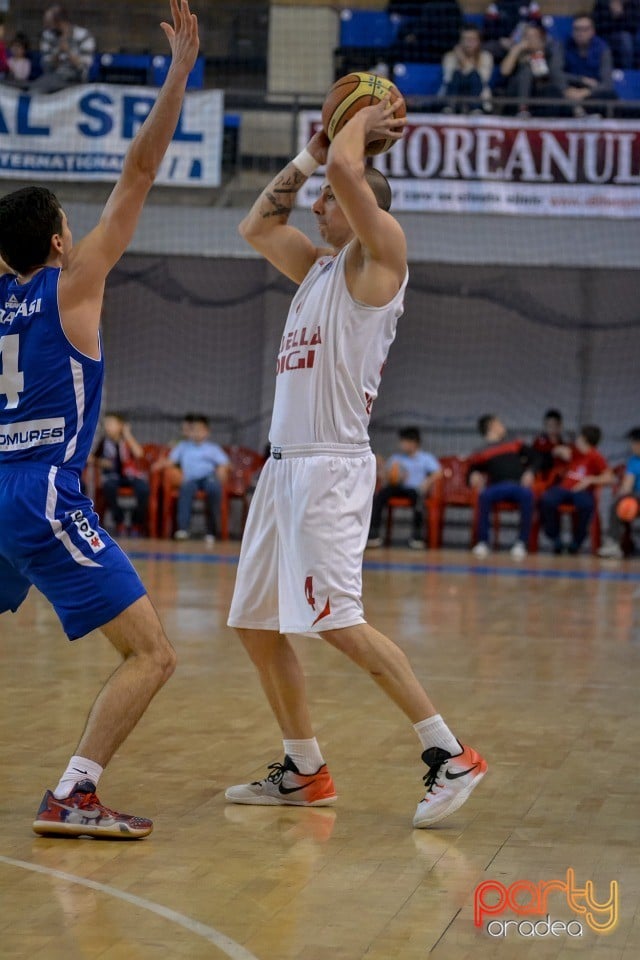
column 91, row 260
column 378, row 232
column 266, row 226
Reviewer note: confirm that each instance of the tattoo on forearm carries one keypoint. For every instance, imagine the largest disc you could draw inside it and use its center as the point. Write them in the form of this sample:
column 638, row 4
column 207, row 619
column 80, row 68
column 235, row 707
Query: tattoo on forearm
column 279, row 197
column 274, row 207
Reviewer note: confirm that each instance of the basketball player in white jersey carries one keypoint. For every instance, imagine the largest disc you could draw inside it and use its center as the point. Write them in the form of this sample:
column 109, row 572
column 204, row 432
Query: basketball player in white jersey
column 52, row 370
column 300, row 564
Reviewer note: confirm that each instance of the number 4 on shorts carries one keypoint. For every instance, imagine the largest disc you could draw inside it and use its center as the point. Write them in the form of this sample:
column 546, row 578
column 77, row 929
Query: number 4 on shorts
column 11, row 378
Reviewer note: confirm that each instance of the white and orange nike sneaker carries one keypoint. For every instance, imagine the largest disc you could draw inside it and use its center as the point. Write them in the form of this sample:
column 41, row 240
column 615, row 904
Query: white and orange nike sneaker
column 287, row 786
column 449, row 782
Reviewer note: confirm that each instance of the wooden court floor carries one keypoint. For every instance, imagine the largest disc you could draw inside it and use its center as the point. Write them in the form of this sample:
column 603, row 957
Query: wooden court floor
column 536, row 665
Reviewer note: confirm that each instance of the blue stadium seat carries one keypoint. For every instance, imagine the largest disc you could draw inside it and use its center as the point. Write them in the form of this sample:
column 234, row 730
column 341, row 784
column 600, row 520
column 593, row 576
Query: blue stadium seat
column 627, row 84
column 134, row 68
column 558, row 27
column 160, row 68
column 36, row 64
column 417, row 78
column 94, row 70
column 368, row 28
column 140, row 68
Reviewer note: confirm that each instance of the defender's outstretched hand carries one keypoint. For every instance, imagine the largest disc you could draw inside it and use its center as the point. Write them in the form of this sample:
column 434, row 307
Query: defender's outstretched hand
column 182, row 36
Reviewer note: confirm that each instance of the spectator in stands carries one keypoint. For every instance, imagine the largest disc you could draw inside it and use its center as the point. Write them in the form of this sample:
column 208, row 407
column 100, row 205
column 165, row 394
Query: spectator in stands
column 187, row 423
column 204, row 467
column 66, row 52
column 586, row 469
column 533, row 69
column 428, row 36
column 409, row 473
column 552, row 436
column 504, row 24
column 630, row 487
column 4, row 66
column 116, row 454
column 503, row 471
column 467, row 70
column 19, row 63
column 588, row 66
column 617, row 22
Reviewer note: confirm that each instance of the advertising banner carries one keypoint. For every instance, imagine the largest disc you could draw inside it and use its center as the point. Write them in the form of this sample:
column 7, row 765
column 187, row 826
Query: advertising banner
column 475, row 164
column 84, row 132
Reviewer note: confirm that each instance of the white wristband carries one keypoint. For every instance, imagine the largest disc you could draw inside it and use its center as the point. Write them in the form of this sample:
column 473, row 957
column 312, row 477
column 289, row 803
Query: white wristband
column 305, row 163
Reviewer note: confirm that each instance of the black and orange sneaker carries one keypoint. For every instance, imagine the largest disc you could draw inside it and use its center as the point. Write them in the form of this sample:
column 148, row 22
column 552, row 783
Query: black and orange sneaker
column 82, row 815
column 285, row 785
column 449, row 783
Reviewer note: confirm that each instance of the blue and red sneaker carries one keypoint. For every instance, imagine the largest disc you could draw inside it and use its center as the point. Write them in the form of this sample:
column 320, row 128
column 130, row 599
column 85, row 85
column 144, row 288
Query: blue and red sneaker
column 82, row 815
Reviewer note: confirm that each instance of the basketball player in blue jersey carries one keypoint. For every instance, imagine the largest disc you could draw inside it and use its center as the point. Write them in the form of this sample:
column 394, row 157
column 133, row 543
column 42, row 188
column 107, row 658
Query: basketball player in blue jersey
column 50, row 385
column 300, row 569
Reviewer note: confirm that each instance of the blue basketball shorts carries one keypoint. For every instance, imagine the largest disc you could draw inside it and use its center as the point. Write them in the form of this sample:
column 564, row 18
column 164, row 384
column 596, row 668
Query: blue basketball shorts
column 50, row 536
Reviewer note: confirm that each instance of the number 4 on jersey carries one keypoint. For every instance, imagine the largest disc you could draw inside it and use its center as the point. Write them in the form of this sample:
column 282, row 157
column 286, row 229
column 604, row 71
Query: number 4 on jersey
column 11, row 378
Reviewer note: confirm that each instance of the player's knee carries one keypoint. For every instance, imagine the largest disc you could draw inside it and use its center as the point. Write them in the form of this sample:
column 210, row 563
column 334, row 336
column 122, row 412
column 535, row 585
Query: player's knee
column 259, row 644
column 167, row 661
column 158, row 653
column 347, row 641
column 163, row 657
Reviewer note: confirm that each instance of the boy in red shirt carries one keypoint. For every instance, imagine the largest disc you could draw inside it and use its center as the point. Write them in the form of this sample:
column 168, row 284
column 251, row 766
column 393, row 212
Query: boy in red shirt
column 586, row 469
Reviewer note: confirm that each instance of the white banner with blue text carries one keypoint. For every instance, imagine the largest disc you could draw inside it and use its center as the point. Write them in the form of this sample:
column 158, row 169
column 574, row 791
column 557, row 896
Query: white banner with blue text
column 83, row 133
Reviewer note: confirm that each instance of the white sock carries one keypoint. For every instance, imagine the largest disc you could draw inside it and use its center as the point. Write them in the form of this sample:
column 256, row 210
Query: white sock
column 305, row 754
column 79, row 768
column 433, row 732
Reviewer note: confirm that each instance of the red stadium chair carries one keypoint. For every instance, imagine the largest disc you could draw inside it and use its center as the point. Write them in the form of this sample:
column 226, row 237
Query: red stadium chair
column 92, row 479
column 244, row 464
column 539, row 486
column 595, row 528
column 171, row 479
column 450, row 490
column 395, row 503
column 152, row 453
column 403, row 503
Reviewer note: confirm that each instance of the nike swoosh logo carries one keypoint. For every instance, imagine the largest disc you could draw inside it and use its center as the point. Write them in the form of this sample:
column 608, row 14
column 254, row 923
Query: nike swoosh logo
column 77, row 770
column 286, row 790
column 86, row 814
column 454, row 776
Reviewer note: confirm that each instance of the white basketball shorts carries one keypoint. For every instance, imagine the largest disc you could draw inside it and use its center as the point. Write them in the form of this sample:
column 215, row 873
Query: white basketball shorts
column 300, row 568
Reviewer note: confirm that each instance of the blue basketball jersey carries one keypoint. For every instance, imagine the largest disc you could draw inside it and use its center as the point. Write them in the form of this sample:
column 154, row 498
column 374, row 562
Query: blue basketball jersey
column 49, row 392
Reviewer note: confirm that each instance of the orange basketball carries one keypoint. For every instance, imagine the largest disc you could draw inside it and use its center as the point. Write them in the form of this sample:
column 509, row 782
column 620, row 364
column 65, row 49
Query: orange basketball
column 350, row 94
column 395, row 474
column 627, row 509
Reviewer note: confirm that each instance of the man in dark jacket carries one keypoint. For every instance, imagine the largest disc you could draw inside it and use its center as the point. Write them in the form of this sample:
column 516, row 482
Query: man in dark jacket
column 617, row 22
column 588, row 65
column 503, row 471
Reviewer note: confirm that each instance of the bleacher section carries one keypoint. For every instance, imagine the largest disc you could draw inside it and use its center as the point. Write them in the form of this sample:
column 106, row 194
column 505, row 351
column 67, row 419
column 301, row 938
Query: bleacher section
column 367, row 37
column 417, row 79
column 140, row 68
column 369, row 28
column 425, row 79
column 377, row 29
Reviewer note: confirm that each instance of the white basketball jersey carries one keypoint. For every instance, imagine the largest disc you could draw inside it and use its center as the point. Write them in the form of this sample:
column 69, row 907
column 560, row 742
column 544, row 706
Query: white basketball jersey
column 330, row 359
